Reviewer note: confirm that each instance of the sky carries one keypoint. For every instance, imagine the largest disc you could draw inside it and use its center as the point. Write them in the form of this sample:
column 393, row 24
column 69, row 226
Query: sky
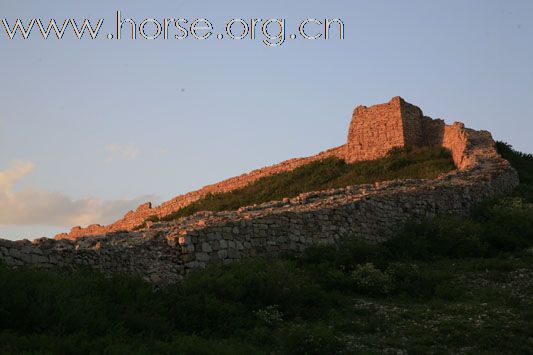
column 89, row 129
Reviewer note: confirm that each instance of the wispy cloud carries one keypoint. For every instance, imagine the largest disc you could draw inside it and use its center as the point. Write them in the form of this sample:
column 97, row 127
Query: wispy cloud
column 38, row 206
column 121, row 151
column 14, row 173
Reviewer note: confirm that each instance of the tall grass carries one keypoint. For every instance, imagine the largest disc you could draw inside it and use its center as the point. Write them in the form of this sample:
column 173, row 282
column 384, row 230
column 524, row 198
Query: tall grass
column 416, row 163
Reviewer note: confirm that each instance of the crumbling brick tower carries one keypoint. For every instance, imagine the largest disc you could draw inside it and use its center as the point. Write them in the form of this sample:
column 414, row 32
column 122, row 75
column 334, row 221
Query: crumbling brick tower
column 375, row 130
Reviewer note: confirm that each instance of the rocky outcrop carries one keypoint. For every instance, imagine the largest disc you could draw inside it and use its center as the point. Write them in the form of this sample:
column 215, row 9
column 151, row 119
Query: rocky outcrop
column 164, row 252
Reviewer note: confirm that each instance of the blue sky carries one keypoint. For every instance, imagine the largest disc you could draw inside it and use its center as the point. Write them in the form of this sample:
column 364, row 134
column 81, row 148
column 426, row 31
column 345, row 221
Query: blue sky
column 89, row 129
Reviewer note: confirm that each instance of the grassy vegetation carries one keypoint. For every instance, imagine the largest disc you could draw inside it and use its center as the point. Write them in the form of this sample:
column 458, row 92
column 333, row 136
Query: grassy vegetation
column 450, row 285
column 417, row 163
column 522, row 163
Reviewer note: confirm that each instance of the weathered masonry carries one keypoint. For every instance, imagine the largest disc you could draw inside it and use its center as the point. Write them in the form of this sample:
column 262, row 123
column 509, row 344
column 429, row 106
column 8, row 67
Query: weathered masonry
column 164, row 252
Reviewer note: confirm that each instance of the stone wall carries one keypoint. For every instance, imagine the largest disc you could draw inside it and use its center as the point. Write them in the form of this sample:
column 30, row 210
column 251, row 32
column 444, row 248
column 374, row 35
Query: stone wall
column 412, row 120
column 131, row 253
column 372, row 133
column 134, row 219
column 164, row 252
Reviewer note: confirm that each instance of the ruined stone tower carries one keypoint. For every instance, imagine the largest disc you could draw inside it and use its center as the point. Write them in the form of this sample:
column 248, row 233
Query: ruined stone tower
column 375, row 130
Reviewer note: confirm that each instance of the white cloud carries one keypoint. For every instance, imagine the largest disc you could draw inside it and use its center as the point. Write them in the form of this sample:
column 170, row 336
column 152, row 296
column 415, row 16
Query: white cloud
column 122, row 151
column 38, row 206
column 16, row 171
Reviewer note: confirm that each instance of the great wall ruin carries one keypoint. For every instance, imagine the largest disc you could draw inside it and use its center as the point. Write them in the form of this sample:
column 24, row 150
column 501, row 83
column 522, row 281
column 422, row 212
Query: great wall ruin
column 163, row 252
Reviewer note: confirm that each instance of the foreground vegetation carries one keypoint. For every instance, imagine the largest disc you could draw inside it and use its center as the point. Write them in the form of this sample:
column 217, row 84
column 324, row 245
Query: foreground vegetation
column 415, row 163
column 450, row 285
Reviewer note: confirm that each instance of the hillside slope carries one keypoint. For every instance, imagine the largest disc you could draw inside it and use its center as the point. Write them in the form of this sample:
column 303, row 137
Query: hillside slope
column 447, row 285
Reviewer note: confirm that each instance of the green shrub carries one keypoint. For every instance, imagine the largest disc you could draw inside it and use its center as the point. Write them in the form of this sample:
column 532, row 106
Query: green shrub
column 270, row 316
column 81, row 301
column 309, row 339
column 508, row 224
column 114, row 343
column 221, row 299
column 330, row 266
column 369, row 279
column 453, row 237
column 501, row 226
column 522, row 162
column 349, row 253
column 416, row 281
